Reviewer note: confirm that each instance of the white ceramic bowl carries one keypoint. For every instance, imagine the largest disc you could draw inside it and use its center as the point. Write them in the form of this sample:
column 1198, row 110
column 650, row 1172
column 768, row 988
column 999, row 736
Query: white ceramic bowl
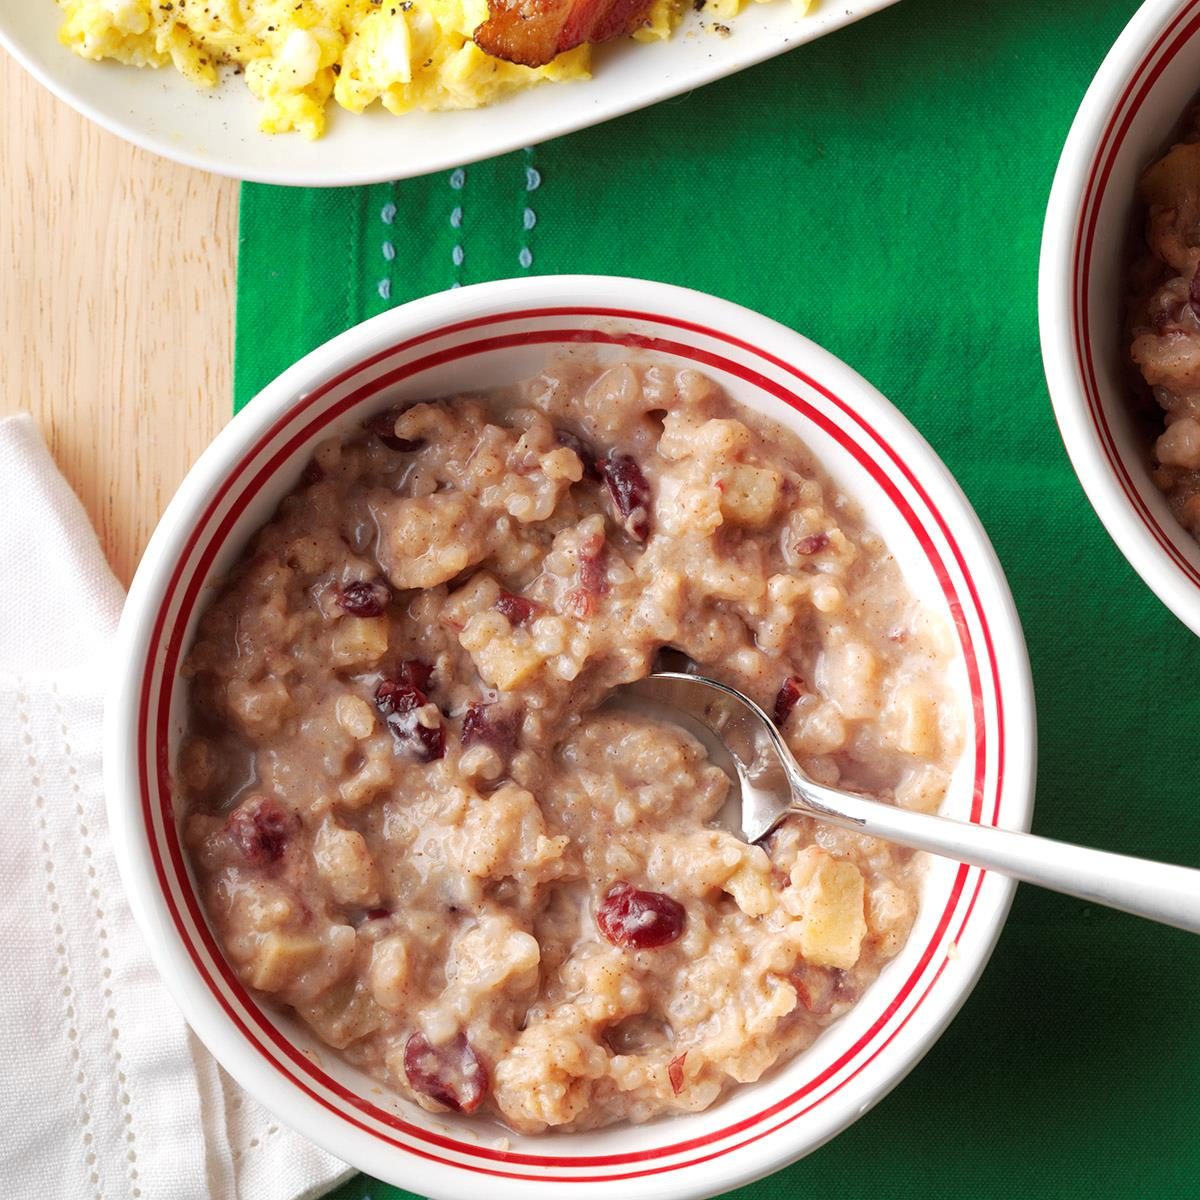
column 218, row 131
column 496, row 333
column 1125, row 122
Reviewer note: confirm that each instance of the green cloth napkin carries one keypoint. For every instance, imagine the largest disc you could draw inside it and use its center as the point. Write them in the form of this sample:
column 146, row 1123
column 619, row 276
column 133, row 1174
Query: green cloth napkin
column 882, row 191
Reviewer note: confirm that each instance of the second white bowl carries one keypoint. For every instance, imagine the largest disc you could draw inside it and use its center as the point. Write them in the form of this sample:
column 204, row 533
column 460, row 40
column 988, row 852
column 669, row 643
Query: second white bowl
column 1125, row 122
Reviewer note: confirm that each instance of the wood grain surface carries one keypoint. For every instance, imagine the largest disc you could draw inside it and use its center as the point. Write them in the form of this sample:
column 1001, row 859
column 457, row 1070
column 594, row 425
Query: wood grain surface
column 116, row 308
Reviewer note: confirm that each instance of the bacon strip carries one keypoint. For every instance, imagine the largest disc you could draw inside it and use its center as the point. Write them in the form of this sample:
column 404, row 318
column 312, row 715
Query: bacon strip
column 532, row 32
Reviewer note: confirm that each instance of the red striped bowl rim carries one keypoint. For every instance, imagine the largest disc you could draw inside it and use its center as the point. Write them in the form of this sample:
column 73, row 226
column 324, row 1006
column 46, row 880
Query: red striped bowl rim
column 299, row 427
column 1156, row 60
column 1123, row 122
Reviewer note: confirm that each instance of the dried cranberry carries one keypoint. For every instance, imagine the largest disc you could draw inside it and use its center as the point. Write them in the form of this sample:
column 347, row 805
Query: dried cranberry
column 819, row 988
column 488, row 725
column 793, row 688
column 593, row 571
column 377, row 914
column 394, row 696
column 639, row 920
column 593, row 576
column 415, row 673
column 585, row 455
column 399, row 700
column 364, row 598
column 383, row 426
column 814, row 543
column 312, row 473
column 452, row 1074
column 630, row 493
column 261, row 829
column 675, row 1073
column 517, row 609
column 430, row 741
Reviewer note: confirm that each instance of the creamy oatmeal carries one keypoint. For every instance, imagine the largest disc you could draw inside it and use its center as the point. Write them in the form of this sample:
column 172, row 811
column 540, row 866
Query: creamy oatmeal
column 414, row 823
column 1164, row 319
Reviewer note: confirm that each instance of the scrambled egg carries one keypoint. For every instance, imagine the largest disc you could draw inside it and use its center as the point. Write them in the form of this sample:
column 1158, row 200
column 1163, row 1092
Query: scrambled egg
column 296, row 54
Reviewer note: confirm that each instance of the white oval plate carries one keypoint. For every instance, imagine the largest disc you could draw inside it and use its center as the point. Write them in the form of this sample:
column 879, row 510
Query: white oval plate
column 218, row 131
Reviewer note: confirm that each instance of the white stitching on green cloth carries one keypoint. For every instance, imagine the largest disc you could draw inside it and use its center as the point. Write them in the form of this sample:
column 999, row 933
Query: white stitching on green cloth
column 458, row 254
column 387, row 215
column 533, row 181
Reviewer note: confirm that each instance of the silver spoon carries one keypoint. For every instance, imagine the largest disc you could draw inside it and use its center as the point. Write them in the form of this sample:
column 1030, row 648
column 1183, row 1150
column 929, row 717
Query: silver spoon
column 770, row 785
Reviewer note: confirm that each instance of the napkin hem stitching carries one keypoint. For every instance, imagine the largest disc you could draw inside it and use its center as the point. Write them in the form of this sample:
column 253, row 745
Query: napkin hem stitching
column 102, row 940
column 69, row 994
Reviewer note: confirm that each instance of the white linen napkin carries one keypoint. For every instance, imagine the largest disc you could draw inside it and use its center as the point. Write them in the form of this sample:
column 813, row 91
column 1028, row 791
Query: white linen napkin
column 106, row 1093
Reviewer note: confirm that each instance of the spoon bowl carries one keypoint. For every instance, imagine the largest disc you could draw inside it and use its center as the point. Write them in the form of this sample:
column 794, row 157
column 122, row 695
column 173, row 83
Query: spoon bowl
column 770, row 785
column 740, row 739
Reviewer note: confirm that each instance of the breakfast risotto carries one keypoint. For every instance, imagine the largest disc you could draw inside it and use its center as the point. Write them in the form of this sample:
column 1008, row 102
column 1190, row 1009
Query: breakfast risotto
column 416, row 822
column 1164, row 319
column 297, row 55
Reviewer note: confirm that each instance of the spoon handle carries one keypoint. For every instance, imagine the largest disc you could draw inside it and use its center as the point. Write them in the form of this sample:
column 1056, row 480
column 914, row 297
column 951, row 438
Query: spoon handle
column 1161, row 892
